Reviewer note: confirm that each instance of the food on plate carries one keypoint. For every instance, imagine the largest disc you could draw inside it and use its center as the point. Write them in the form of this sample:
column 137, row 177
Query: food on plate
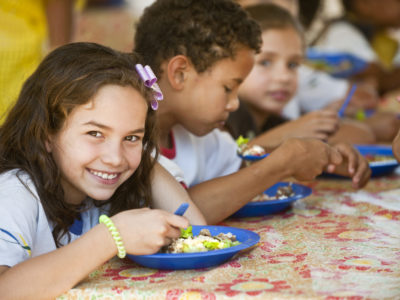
column 282, row 192
column 203, row 242
column 244, row 149
column 378, row 158
column 325, row 66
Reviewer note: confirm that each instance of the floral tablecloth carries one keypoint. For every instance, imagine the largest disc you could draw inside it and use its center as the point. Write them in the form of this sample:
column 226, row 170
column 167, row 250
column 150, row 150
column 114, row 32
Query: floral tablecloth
column 338, row 243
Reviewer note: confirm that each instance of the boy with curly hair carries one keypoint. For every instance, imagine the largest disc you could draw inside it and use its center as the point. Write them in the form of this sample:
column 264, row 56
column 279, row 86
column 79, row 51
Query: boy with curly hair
column 201, row 51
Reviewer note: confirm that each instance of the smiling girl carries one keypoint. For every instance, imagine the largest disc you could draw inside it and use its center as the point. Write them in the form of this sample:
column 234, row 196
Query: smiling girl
column 78, row 144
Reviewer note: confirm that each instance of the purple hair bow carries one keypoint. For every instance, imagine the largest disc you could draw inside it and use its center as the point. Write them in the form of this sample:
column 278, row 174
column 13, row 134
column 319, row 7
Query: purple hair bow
column 150, row 80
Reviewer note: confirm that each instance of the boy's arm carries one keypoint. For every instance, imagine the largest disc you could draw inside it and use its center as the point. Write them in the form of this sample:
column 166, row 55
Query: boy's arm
column 168, row 194
column 302, row 159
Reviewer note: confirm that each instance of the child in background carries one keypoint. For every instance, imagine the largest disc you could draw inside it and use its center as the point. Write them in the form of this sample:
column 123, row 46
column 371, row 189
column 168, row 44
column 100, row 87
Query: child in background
column 201, row 52
column 273, row 82
column 364, row 31
column 78, row 144
column 311, row 94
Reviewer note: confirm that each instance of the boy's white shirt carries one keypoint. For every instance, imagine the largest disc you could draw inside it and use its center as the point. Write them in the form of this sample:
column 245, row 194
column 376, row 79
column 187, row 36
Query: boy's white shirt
column 316, row 90
column 22, row 215
column 203, row 158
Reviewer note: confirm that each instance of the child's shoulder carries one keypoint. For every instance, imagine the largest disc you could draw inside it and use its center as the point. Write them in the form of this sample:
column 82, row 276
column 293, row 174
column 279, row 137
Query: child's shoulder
column 16, row 177
column 212, row 140
column 17, row 184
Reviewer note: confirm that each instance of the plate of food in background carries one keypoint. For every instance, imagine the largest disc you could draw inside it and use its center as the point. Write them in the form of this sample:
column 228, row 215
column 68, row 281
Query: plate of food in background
column 275, row 199
column 380, row 157
column 337, row 64
column 200, row 247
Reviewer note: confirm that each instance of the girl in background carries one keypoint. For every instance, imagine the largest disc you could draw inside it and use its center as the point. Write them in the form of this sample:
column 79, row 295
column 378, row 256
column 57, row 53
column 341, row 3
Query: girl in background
column 274, row 81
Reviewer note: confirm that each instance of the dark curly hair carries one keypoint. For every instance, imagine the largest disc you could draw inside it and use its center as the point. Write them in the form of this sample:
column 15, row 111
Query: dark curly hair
column 67, row 78
column 205, row 31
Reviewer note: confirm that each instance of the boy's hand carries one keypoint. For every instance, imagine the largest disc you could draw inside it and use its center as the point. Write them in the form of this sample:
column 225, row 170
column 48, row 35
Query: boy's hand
column 305, row 159
column 354, row 165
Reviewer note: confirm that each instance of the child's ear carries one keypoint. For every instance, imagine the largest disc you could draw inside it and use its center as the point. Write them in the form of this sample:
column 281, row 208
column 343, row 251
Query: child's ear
column 177, row 71
column 47, row 144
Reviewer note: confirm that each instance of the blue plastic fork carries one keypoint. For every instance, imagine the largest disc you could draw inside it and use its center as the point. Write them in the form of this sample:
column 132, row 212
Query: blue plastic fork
column 346, row 102
column 181, row 209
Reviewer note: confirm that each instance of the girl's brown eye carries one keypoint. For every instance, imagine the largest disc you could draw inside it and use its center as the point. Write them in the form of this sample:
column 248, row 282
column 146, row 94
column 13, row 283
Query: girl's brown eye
column 132, row 138
column 94, row 133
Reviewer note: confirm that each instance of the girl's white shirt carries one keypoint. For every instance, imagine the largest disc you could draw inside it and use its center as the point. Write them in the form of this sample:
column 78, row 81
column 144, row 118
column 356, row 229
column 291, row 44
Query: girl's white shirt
column 25, row 230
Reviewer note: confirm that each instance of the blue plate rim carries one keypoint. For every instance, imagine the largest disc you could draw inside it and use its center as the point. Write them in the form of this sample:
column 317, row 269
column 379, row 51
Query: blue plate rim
column 253, row 157
column 282, row 201
column 374, row 150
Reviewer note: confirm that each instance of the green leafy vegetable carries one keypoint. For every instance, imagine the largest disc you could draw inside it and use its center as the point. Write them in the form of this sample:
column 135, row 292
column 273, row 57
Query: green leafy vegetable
column 185, row 233
column 211, row 245
column 241, row 141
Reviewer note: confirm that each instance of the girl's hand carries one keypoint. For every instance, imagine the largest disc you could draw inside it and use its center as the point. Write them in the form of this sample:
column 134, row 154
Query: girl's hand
column 354, row 165
column 145, row 231
column 305, row 159
column 318, row 124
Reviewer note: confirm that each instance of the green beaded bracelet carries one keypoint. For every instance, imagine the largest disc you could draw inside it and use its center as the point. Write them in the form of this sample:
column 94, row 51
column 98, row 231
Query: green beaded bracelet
column 115, row 234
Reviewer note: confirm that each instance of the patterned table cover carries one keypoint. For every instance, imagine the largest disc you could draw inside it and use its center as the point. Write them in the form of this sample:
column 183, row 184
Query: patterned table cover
column 338, row 243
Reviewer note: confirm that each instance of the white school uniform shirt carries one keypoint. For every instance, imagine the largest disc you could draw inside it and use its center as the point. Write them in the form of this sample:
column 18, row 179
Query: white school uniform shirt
column 201, row 158
column 315, row 90
column 25, row 230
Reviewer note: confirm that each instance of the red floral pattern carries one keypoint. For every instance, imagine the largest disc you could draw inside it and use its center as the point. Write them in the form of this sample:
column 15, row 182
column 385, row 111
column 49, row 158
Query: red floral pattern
column 327, row 246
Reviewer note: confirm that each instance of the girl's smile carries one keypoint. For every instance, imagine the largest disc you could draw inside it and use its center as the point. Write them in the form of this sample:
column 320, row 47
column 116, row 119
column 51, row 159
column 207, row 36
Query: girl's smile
column 105, row 177
column 100, row 145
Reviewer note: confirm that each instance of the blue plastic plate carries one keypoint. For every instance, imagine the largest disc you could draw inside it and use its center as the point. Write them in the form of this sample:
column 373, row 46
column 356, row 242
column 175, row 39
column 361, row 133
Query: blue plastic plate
column 260, row 208
column 198, row 260
column 337, row 64
column 379, row 168
column 253, row 157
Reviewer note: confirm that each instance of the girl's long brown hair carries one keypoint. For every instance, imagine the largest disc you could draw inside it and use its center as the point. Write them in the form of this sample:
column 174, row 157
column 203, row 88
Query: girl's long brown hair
column 69, row 77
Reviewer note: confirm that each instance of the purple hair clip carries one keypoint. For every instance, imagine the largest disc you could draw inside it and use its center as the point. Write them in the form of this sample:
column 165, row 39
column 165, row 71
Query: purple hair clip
column 150, row 80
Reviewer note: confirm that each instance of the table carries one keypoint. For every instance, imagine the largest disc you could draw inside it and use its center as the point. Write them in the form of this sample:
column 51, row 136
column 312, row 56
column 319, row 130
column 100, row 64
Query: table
column 338, row 243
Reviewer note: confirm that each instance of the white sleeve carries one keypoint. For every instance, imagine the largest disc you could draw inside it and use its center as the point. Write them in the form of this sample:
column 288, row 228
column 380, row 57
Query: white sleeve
column 172, row 168
column 318, row 89
column 292, row 109
column 221, row 154
column 202, row 158
column 344, row 37
column 18, row 225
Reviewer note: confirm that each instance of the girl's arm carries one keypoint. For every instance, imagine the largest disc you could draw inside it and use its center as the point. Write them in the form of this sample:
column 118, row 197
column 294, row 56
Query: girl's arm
column 168, row 194
column 51, row 274
column 143, row 231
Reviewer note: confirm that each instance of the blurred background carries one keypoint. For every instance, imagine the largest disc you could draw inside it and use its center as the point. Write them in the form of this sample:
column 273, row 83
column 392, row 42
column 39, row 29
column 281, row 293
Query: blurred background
column 111, row 22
